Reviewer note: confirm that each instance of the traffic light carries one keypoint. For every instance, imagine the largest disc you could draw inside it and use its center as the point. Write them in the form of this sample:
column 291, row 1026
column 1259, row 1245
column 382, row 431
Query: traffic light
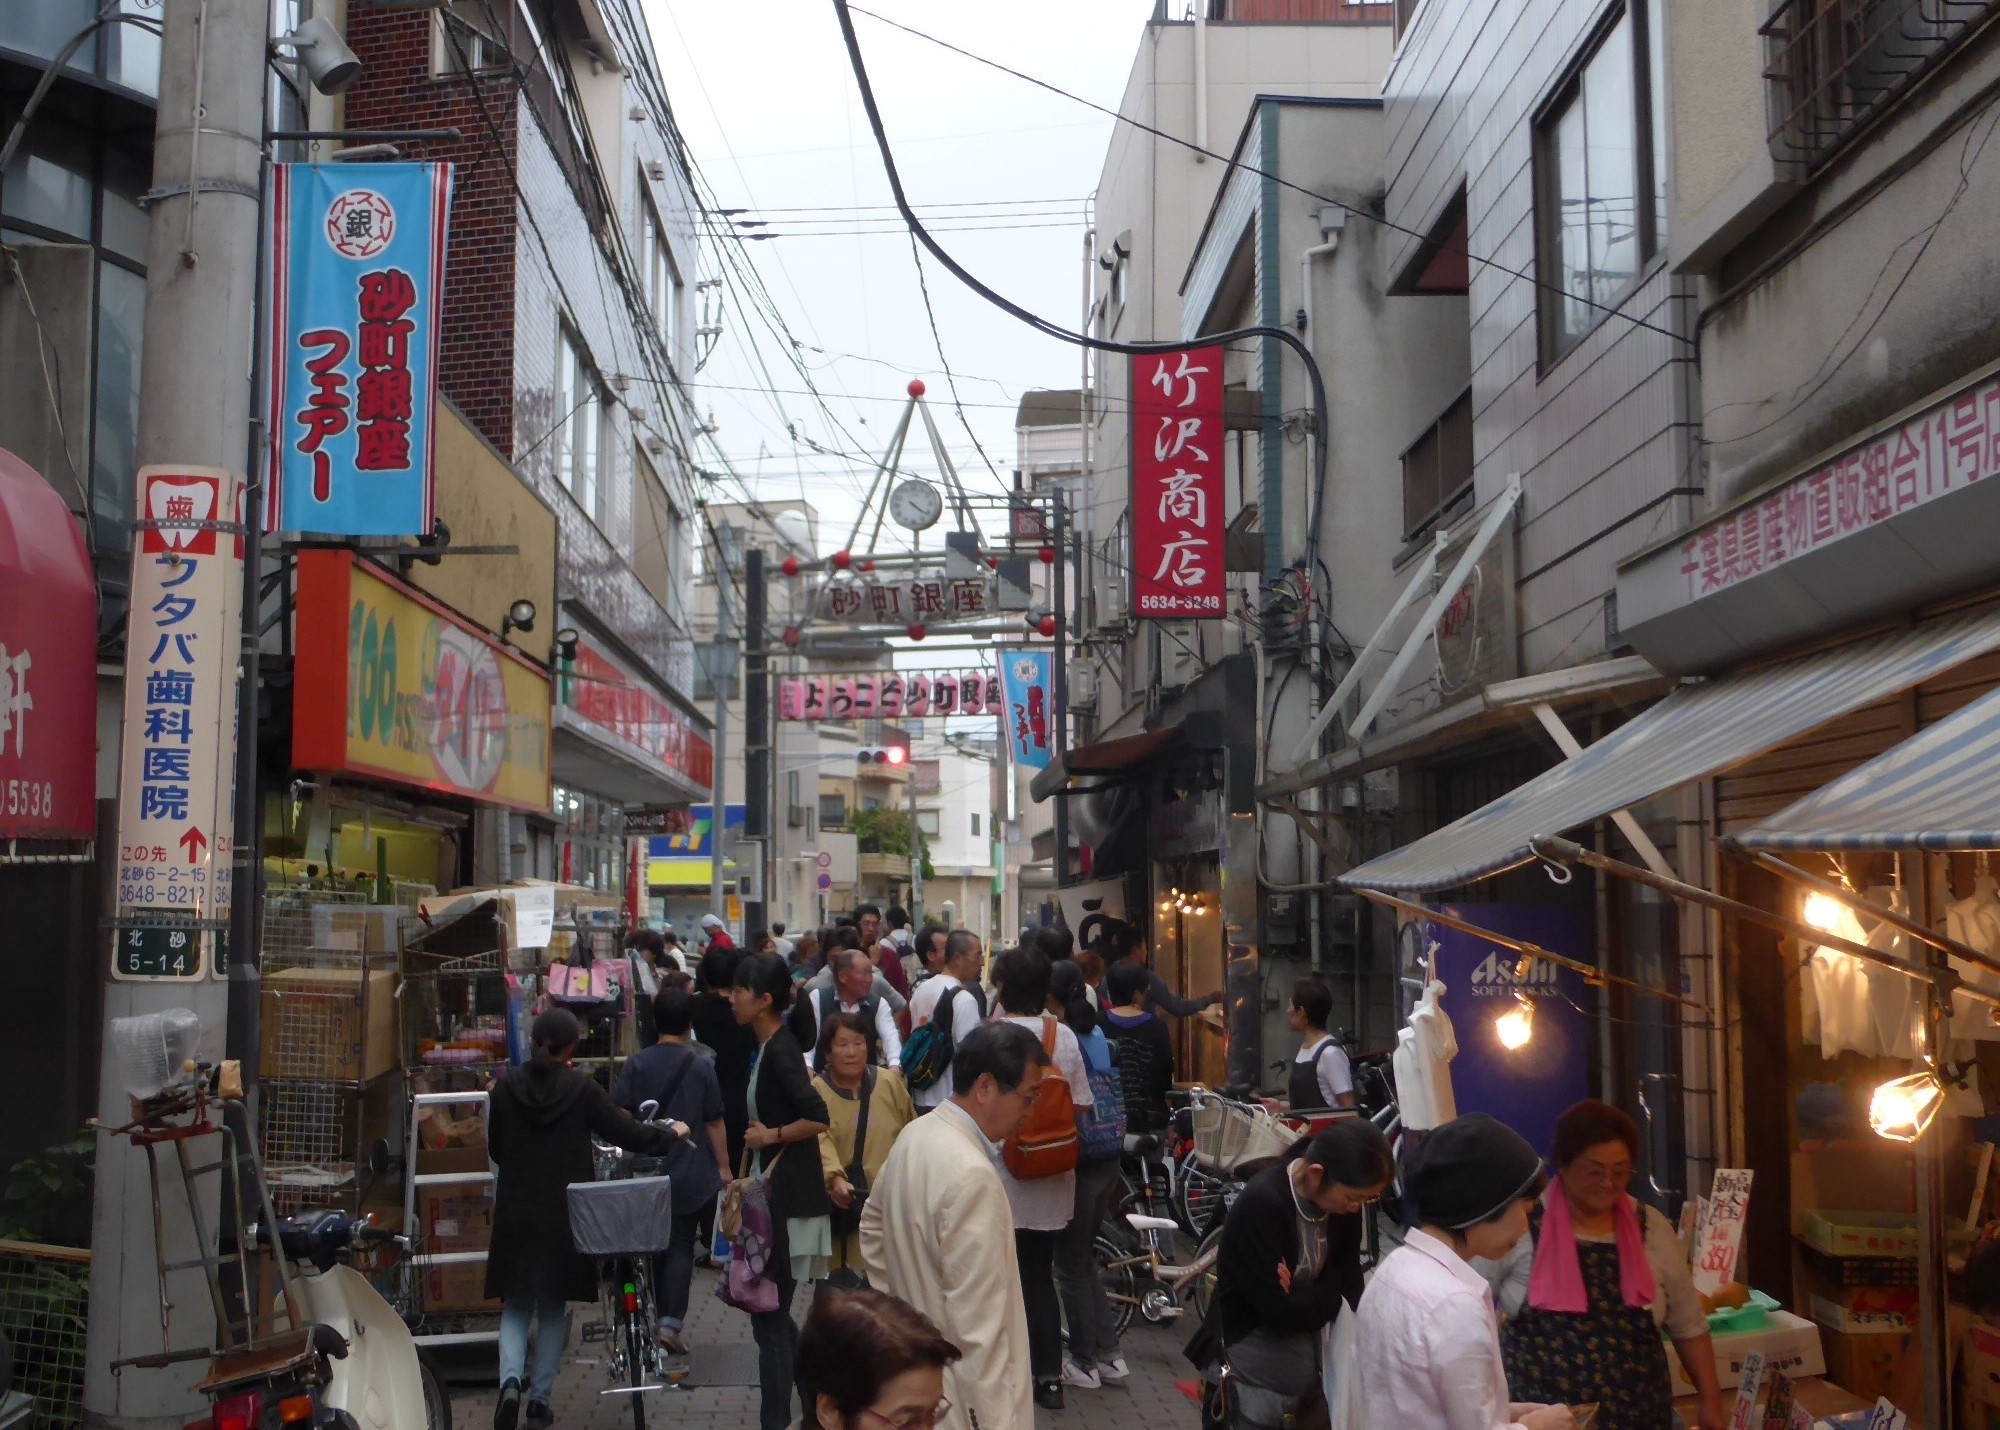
column 884, row 755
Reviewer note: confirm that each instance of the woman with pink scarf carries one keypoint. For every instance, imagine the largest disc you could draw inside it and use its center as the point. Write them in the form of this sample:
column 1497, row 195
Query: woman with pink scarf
column 1588, row 1296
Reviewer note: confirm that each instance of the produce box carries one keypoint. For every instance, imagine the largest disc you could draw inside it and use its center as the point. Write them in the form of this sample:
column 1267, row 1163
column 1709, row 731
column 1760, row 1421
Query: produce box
column 1875, row 1364
column 1788, row 1343
column 454, row 1219
column 1864, row 1310
column 1860, row 1233
column 313, row 1026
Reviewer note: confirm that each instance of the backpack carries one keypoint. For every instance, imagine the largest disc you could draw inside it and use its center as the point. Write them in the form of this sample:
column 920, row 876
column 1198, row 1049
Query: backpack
column 1102, row 1132
column 927, row 1051
column 1045, row 1144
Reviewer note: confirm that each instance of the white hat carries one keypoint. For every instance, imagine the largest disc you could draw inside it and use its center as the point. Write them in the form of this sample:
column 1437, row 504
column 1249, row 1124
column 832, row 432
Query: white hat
column 710, row 921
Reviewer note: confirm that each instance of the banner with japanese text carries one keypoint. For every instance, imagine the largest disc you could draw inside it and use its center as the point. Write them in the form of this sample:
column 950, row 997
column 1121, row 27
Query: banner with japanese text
column 888, row 695
column 177, row 782
column 357, row 279
column 1177, row 516
column 1030, row 715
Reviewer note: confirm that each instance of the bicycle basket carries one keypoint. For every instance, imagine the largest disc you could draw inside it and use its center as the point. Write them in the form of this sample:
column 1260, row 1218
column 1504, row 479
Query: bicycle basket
column 629, row 1217
column 1235, row 1140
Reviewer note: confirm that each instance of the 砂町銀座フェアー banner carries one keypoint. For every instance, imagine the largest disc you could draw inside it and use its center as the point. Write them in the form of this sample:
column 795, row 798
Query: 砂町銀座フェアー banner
column 357, row 279
column 1030, row 715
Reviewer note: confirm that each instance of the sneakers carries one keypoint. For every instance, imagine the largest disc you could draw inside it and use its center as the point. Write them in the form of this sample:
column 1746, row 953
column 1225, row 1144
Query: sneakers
column 1048, row 1394
column 1113, row 1371
column 1082, row 1377
column 670, row 1340
column 538, row 1417
column 509, row 1409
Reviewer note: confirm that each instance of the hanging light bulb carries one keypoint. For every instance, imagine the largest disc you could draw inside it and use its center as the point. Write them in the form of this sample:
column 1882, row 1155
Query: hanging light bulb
column 1515, row 1028
column 1903, row 1108
column 1823, row 912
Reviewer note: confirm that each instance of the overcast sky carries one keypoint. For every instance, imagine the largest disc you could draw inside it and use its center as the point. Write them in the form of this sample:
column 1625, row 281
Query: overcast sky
column 1000, row 169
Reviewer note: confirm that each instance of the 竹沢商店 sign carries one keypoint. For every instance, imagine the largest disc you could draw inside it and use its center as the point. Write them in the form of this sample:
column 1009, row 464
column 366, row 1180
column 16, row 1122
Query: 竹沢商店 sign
column 357, row 272
column 1177, row 516
column 889, row 695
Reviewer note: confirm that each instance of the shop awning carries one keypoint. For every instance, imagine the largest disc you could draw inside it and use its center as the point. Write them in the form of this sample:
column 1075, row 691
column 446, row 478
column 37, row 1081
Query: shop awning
column 1696, row 731
column 1937, row 790
column 1201, row 730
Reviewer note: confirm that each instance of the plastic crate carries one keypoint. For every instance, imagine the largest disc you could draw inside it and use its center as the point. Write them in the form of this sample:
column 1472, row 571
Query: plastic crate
column 1860, row 1270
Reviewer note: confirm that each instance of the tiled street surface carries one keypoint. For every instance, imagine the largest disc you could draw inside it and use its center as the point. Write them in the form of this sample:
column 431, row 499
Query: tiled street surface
column 725, row 1357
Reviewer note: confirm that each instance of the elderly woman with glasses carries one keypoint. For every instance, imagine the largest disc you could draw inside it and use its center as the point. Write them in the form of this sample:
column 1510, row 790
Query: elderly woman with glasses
column 1588, row 1294
column 868, row 1361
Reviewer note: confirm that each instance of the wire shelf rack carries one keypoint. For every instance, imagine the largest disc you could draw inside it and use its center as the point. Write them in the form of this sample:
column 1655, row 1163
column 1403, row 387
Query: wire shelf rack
column 44, row 1307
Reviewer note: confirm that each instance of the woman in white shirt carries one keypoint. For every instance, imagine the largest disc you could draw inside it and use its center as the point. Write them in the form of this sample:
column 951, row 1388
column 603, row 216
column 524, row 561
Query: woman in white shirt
column 1427, row 1352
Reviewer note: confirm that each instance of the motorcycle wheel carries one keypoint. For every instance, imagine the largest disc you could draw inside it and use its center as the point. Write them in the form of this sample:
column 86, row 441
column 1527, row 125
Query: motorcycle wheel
column 437, row 1400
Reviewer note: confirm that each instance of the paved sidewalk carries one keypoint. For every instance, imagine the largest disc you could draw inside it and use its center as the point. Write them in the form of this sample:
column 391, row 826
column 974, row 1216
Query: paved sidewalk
column 723, row 1351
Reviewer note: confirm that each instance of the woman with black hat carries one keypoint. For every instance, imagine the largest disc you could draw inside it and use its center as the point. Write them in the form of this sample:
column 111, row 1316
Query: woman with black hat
column 1427, row 1353
column 1290, row 1262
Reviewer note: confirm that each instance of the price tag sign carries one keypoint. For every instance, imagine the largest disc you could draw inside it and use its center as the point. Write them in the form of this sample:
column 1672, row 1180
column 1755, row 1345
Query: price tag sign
column 157, row 951
column 1719, row 1241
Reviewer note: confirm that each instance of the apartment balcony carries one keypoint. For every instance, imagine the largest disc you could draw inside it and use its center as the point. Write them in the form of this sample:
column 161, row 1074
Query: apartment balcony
column 1834, row 65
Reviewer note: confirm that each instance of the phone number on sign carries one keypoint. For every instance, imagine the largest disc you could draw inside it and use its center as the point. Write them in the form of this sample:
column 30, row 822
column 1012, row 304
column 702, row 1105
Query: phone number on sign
column 31, row 799
column 1182, row 606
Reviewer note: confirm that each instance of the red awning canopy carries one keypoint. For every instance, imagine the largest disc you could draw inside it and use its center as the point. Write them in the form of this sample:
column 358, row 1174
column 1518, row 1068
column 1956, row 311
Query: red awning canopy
column 48, row 663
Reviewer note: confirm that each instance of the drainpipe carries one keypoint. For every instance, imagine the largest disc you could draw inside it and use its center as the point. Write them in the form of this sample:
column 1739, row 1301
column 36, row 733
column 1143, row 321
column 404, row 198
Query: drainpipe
column 1331, row 222
column 1201, row 81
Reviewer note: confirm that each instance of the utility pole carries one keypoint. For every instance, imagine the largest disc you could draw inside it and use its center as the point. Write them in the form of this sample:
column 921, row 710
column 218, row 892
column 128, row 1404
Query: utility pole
column 202, row 261
column 721, row 673
column 916, row 846
column 1059, row 671
column 756, row 740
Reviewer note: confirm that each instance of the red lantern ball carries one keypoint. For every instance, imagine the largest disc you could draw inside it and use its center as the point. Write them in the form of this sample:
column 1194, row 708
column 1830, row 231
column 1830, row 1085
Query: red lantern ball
column 916, row 388
column 1048, row 626
column 866, row 566
column 917, row 633
column 994, row 562
column 791, row 636
column 790, row 566
column 842, row 560
column 1048, row 554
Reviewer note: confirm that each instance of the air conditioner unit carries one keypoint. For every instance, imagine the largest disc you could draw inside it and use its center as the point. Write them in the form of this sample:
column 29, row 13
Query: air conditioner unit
column 1180, row 654
column 795, row 816
column 1110, row 602
column 1082, row 688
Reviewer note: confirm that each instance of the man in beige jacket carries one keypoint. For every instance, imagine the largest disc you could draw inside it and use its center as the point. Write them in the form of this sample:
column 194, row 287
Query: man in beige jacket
column 937, row 1230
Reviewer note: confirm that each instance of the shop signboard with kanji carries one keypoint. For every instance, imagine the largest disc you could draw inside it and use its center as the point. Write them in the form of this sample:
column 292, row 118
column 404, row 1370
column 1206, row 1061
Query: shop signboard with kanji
column 907, row 600
column 177, row 782
column 391, row 685
column 616, row 704
column 1028, row 717
column 889, row 695
column 1177, row 517
column 357, row 269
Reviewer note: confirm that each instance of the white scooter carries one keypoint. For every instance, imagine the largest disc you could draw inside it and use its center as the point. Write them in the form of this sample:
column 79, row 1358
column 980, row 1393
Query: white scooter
column 359, row 1368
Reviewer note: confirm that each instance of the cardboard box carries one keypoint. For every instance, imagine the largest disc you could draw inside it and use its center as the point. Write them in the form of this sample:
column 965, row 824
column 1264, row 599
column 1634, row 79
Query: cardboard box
column 1981, row 1352
column 454, row 1219
column 1788, row 1343
column 1860, row 1233
column 314, row 1024
column 1864, row 1310
column 456, row 1289
column 1873, row 1365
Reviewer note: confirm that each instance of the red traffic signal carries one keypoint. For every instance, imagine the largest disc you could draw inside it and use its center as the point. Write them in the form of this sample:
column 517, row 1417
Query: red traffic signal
column 887, row 755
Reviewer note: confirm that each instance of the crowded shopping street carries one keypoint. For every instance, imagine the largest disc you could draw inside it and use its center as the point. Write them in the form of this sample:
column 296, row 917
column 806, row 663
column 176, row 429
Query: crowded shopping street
column 869, row 715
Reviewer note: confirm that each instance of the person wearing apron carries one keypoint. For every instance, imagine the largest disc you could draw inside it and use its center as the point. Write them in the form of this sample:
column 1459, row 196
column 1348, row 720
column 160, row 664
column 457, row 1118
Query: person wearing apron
column 1321, row 1074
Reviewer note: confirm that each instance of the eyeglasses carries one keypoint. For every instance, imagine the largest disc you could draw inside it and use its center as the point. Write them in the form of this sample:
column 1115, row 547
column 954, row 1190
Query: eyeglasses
column 911, row 1419
column 1602, row 1175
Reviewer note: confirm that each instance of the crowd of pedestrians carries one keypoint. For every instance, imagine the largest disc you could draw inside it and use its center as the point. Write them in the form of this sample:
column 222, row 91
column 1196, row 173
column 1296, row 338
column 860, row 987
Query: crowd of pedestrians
column 938, row 1135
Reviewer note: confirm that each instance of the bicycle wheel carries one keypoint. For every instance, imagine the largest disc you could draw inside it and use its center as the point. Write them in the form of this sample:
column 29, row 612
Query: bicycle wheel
column 1119, row 1277
column 1197, row 1193
column 637, row 1335
column 1204, row 1284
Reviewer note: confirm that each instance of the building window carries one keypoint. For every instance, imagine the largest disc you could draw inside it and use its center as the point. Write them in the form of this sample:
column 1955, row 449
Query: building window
column 659, row 532
column 832, row 811
column 1599, row 212
column 975, row 824
column 1437, row 469
column 579, row 415
column 927, row 821
column 663, row 280
column 466, row 38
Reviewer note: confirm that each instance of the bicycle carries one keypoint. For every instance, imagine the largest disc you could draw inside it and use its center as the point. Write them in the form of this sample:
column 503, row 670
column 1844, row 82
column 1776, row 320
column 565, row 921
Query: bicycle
column 623, row 1220
column 1121, row 1267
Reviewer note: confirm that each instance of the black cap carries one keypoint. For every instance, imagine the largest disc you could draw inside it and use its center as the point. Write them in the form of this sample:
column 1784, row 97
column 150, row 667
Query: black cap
column 1470, row 1169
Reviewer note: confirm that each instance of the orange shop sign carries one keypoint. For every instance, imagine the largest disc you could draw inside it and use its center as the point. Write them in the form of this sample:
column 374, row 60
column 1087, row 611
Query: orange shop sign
column 392, row 685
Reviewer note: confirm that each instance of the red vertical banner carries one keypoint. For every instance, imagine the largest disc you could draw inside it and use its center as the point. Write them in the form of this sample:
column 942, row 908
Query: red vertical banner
column 1177, row 516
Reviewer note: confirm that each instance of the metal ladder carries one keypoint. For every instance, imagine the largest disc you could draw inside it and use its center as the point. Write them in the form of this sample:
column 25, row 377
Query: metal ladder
column 413, row 1181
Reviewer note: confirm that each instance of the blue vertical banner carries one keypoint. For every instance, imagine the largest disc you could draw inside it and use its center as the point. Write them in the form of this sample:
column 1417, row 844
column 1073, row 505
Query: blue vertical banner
column 1029, row 715
column 357, row 282
column 1527, row 1087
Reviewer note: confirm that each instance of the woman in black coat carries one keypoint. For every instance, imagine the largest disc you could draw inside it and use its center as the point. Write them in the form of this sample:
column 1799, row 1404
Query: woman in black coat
column 786, row 1118
column 1290, row 1258
column 540, row 1118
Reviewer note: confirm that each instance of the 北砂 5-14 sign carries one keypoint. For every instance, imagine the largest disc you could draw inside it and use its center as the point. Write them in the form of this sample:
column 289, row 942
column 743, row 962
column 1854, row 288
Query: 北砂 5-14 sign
column 357, row 272
column 1177, row 516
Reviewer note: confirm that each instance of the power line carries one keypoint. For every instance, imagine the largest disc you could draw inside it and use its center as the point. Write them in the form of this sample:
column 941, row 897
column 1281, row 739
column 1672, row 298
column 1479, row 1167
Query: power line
column 844, row 9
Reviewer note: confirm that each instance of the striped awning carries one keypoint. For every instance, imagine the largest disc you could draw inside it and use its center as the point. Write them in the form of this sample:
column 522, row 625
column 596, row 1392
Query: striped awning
column 1695, row 732
column 1937, row 790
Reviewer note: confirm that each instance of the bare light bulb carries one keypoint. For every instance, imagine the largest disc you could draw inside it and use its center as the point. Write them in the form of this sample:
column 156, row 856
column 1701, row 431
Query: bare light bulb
column 1903, row 1108
column 1823, row 912
column 1515, row 1028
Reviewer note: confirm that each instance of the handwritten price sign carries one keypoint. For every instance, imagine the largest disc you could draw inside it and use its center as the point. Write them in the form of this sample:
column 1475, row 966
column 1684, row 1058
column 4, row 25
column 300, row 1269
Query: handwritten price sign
column 1719, row 1241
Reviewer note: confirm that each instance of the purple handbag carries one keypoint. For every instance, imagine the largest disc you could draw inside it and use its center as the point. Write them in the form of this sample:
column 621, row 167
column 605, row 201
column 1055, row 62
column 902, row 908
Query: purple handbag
column 745, row 1219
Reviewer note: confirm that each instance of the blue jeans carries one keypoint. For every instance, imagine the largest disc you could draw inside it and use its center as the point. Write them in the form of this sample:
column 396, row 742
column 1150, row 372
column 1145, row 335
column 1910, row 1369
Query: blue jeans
column 552, row 1330
column 673, row 1272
